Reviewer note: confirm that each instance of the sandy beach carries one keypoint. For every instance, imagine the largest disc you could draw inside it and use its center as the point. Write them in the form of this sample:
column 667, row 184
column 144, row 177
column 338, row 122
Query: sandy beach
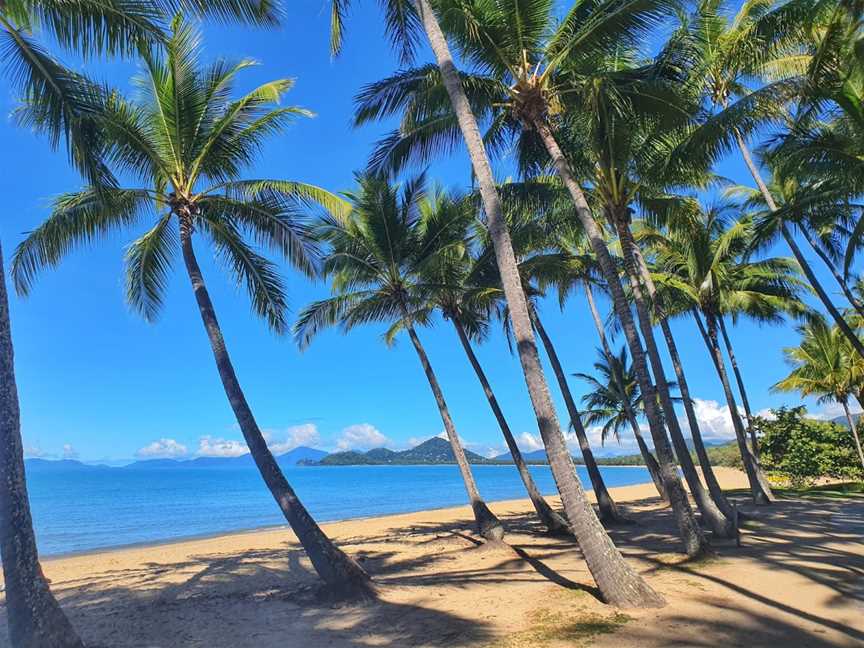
column 797, row 580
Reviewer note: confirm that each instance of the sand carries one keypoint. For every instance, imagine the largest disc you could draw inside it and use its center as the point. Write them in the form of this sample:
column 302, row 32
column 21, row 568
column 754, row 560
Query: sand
column 797, row 580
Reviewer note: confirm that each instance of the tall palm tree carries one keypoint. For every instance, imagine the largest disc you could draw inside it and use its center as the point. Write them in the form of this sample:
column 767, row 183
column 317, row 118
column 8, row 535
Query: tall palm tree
column 613, row 401
column 378, row 254
column 59, row 102
column 617, row 582
column 188, row 142
column 528, row 80
column 703, row 262
column 825, row 366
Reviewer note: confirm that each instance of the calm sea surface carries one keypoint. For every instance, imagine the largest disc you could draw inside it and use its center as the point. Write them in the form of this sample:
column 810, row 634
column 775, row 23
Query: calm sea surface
column 77, row 511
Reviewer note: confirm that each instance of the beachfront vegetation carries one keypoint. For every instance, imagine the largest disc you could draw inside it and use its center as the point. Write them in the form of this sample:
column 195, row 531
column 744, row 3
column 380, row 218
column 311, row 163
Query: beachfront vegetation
column 612, row 143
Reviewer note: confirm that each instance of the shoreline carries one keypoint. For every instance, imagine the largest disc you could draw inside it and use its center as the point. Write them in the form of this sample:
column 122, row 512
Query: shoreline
column 209, row 535
column 622, row 493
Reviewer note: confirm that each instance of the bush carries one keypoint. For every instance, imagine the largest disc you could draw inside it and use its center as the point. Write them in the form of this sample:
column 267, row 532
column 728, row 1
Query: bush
column 802, row 449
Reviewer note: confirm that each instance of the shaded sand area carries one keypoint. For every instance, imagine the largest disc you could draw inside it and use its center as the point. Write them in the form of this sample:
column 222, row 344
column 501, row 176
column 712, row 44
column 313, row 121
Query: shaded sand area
column 797, row 580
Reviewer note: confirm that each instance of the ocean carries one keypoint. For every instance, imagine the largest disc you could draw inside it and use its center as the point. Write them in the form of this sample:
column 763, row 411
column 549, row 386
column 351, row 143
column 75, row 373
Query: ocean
column 82, row 510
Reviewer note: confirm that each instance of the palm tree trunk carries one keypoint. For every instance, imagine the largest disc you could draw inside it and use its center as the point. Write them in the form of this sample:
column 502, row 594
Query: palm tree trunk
column 34, row 617
column 650, row 461
column 740, row 381
column 796, row 251
column 759, row 487
column 608, row 510
column 691, row 535
column 720, row 524
column 853, row 430
column 695, row 432
column 618, row 583
column 553, row 522
column 840, row 279
column 487, row 524
column 342, row 575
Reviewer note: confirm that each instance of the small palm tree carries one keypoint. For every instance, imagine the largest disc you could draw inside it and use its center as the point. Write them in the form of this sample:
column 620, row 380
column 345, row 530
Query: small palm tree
column 188, row 142
column 825, row 366
column 703, row 261
column 378, row 254
column 613, row 402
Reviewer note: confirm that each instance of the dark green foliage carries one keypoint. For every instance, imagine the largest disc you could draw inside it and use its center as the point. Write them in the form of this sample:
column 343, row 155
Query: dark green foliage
column 802, row 449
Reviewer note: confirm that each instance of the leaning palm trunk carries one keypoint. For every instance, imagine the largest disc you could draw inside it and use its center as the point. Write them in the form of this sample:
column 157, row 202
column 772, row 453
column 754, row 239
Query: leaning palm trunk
column 608, row 510
column 695, row 432
column 720, row 524
column 854, row 430
column 692, row 536
column 552, row 521
column 796, row 251
column 839, row 278
column 650, row 461
column 616, row 580
column 343, row 576
column 759, row 487
column 740, row 382
column 35, row 618
column 487, row 524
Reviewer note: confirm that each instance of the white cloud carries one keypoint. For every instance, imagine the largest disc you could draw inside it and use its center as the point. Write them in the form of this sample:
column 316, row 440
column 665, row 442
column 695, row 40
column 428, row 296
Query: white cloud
column 832, row 410
column 34, row 452
column 162, row 449
column 529, row 442
column 292, row 437
column 209, row 446
column 362, row 436
column 69, row 452
column 714, row 419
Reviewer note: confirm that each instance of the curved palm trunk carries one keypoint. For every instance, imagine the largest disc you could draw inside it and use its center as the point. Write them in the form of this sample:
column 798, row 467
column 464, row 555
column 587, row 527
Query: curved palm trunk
column 759, row 487
column 740, row 382
column 487, row 524
column 342, row 575
column 552, row 521
column 839, row 278
column 796, row 251
column 695, row 432
column 854, row 431
column 608, row 510
column 718, row 522
column 616, row 580
column 650, row 461
column 694, row 540
column 34, row 617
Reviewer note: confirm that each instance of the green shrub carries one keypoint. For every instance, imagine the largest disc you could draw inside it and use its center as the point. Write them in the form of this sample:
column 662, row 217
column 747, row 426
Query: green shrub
column 802, row 449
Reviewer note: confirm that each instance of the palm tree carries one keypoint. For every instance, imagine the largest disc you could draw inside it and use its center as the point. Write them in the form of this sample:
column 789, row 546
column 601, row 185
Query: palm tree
column 755, row 44
column 825, row 366
column 59, row 102
column 188, row 143
column 702, row 262
column 378, row 254
column 617, row 582
column 462, row 297
column 613, row 402
column 531, row 74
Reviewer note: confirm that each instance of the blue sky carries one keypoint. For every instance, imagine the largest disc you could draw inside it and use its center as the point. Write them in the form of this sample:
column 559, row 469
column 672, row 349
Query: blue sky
column 98, row 383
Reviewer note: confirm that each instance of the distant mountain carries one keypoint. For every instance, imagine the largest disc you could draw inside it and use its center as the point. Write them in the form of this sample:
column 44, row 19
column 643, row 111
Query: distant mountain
column 294, row 457
column 433, row 451
column 841, row 420
column 536, row 456
column 65, row 465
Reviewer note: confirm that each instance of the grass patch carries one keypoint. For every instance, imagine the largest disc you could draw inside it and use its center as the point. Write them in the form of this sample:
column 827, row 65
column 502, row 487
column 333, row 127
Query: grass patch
column 572, row 629
column 844, row 490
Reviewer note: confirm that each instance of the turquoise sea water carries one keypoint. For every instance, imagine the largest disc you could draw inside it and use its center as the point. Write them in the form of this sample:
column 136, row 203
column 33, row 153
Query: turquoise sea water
column 93, row 509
